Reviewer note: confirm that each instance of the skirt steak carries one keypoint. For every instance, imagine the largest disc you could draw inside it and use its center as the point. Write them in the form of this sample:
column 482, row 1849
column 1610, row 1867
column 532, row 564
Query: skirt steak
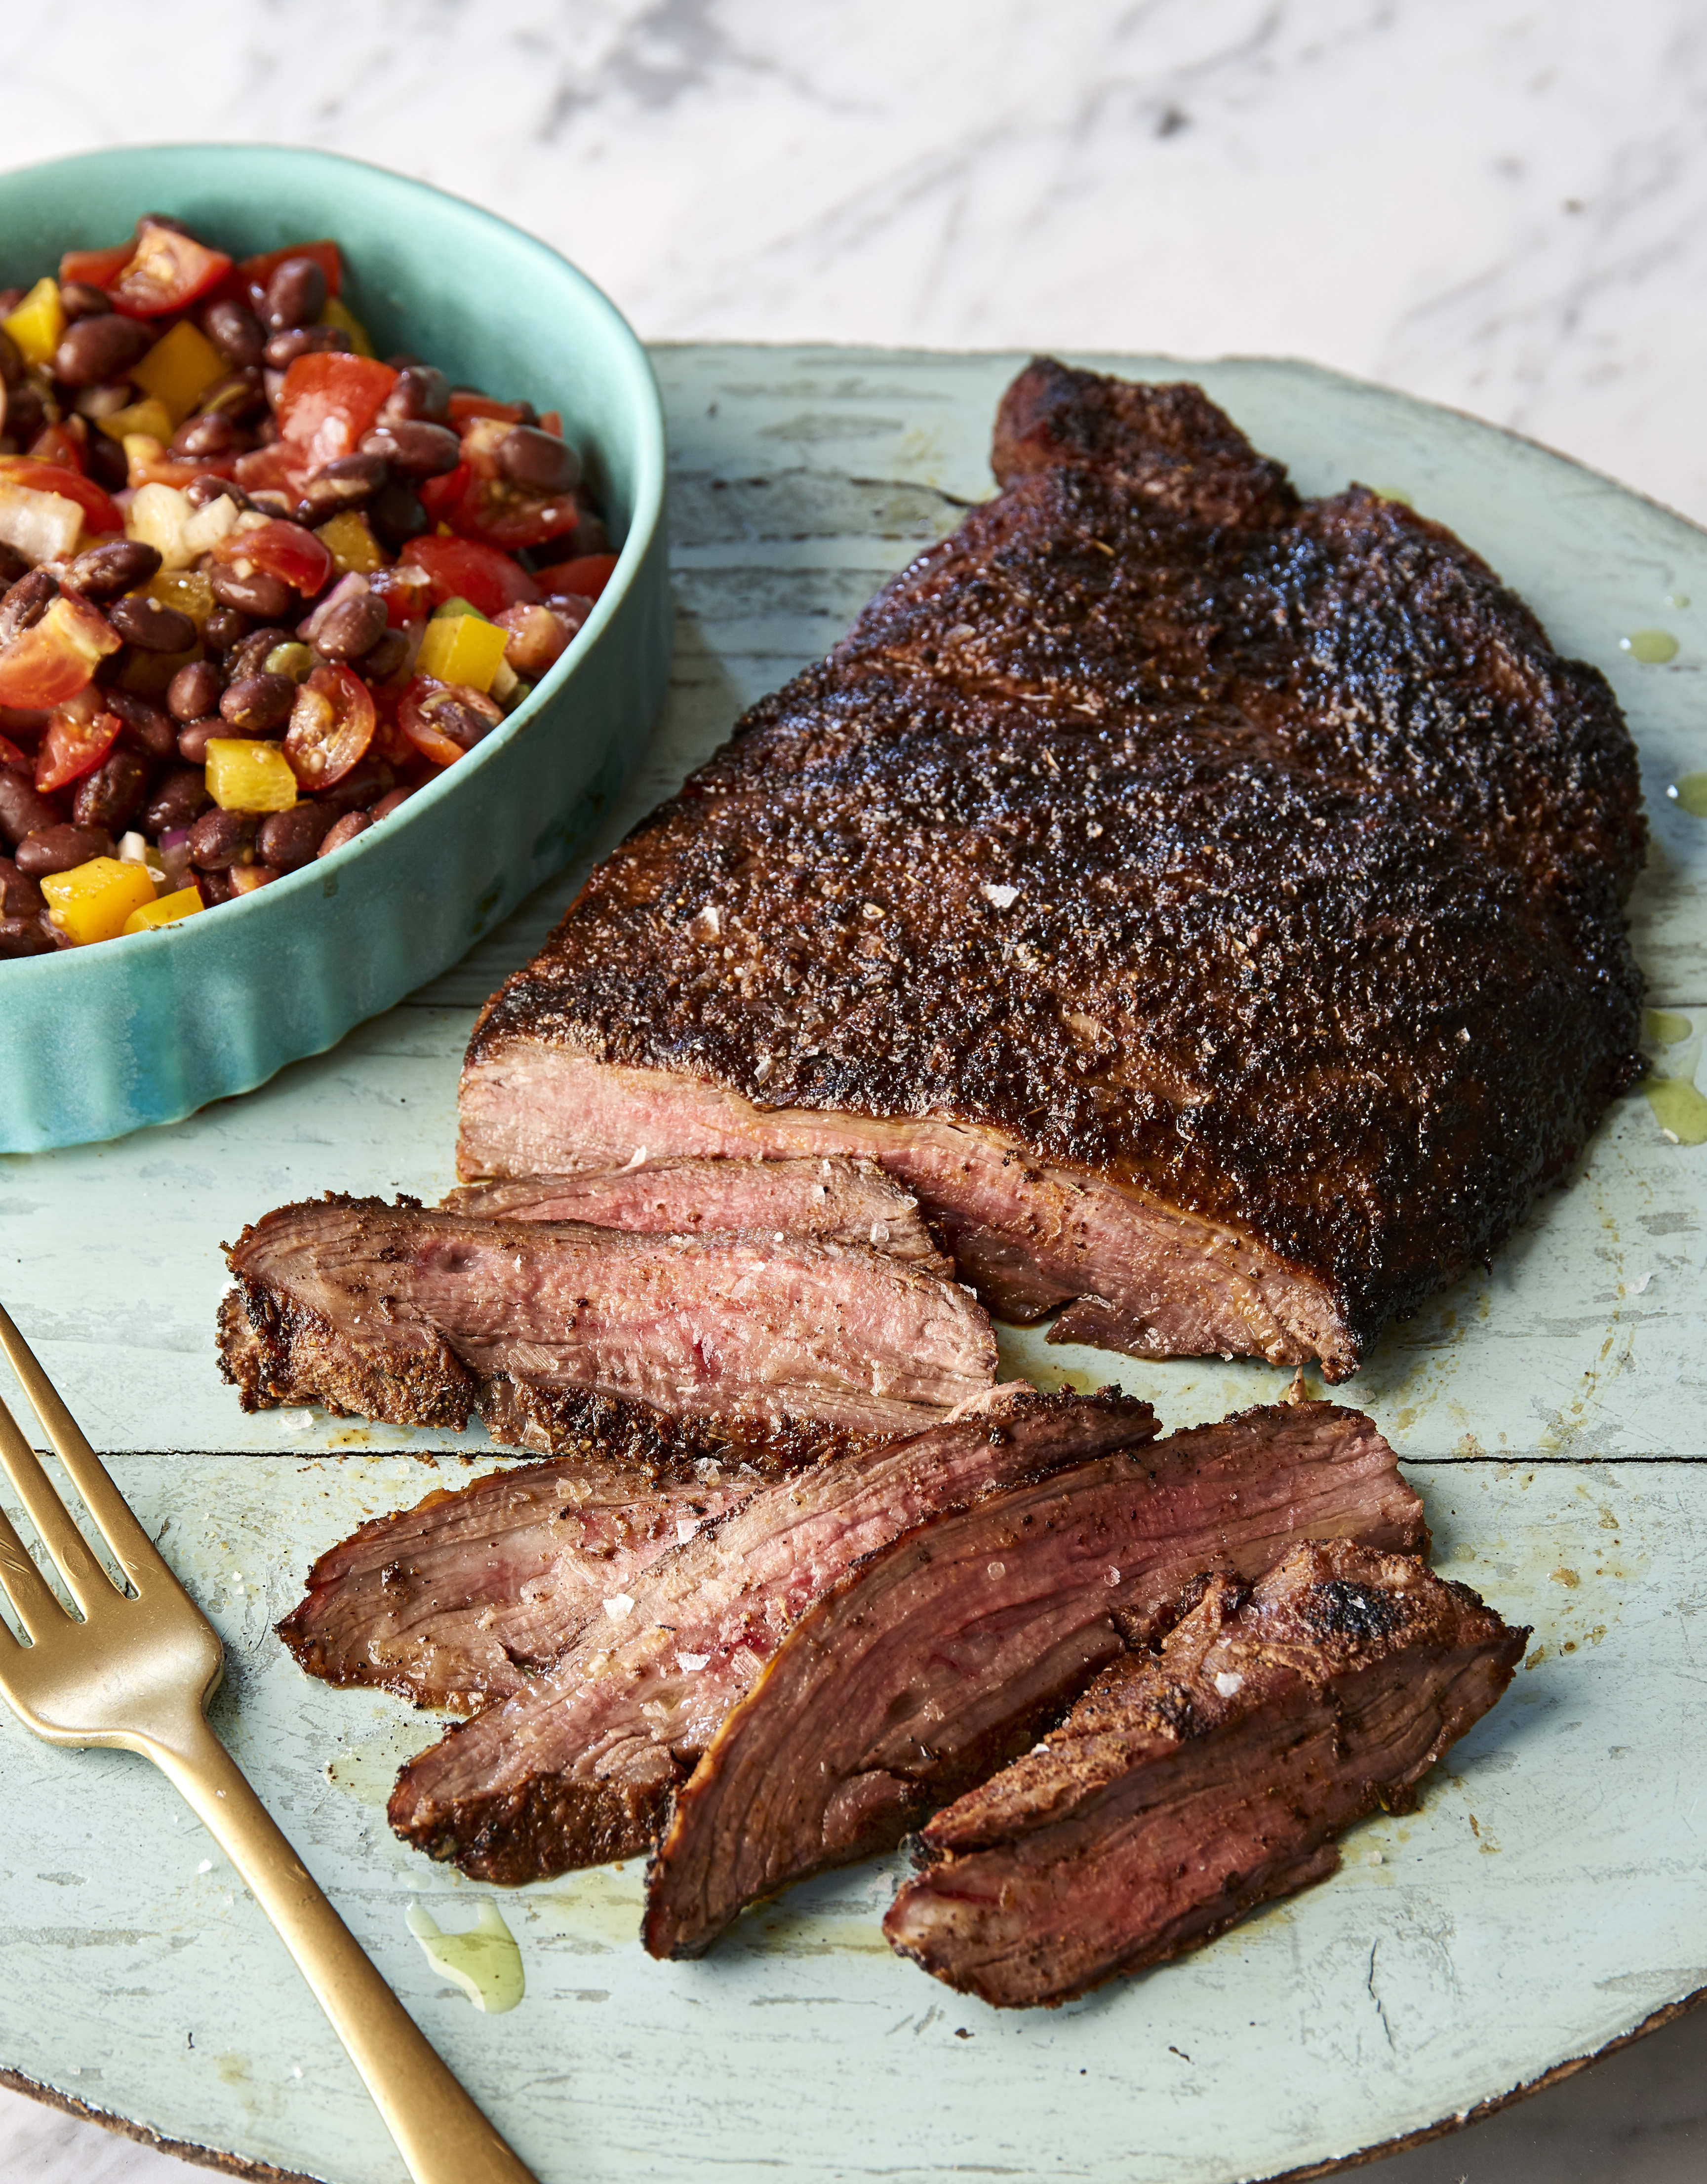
column 1186, row 1788
column 1208, row 903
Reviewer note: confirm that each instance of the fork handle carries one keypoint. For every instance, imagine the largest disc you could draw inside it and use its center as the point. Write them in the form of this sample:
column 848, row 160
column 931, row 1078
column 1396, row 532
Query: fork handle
column 440, row 2133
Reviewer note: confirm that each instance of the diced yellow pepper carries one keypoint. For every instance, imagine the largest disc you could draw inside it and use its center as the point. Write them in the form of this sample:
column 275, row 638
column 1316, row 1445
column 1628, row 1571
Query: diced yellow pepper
column 38, row 322
column 150, row 415
column 180, row 369
column 351, row 544
column 168, row 910
column 338, row 313
column 187, row 589
column 462, row 649
column 91, row 901
column 249, row 776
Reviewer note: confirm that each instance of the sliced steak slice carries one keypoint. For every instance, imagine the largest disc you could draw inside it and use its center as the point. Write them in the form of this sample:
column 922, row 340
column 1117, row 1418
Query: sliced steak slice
column 458, row 1601
column 400, row 1314
column 938, row 1659
column 831, row 1202
column 1209, row 903
column 1186, row 1788
column 578, row 1768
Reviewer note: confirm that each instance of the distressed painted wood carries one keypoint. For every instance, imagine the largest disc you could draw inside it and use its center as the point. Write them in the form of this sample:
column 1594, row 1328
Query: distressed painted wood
column 1545, row 1900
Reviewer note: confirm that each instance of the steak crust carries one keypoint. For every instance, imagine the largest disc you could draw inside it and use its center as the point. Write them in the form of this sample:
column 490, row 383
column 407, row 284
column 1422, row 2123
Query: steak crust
column 1242, row 875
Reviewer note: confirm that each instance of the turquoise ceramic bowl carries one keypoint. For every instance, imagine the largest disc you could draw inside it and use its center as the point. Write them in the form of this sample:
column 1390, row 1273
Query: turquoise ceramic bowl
column 97, row 1041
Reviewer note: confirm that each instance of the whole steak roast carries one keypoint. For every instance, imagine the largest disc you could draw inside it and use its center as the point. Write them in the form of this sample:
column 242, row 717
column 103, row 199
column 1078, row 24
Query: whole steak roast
column 1208, row 903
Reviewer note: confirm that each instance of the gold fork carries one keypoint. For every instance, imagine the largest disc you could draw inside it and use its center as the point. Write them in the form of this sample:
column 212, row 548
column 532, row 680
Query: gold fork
column 136, row 1673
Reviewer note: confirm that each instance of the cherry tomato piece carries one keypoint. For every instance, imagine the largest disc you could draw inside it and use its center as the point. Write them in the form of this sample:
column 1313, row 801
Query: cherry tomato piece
column 282, row 549
column 583, row 578
column 280, row 468
column 441, row 497
column 407, row 591
column 331, row 727
column 59, row 445
column 444, row 720
column 12, row 760
column 80, row 734
column 165, row 272
column 492, row 507
column 254, row 273
column 97, row 269
column 463, row 569
column 100, row 512
column 329, row 400
column 56, row 657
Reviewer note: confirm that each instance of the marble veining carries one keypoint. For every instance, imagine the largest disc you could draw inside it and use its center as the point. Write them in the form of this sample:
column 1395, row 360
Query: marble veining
column 1495, row 206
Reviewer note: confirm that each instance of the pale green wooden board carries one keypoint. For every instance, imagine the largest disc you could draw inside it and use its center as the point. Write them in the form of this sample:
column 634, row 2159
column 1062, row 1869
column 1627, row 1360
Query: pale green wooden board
column 1546, row 1899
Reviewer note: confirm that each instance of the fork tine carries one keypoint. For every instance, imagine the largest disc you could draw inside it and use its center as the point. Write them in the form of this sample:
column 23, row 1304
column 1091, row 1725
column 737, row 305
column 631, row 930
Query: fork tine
column 29, row 1593
column 133, row 1550
column 53, row 1520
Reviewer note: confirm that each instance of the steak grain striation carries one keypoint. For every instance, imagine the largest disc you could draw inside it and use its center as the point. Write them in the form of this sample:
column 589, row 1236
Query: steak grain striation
column 1187, row 1787
column 418, row 1317
column 1208, row 903
column 937, row 1659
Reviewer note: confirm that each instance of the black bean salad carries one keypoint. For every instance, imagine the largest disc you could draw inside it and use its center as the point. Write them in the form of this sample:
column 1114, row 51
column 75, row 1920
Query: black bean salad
column 256, row 585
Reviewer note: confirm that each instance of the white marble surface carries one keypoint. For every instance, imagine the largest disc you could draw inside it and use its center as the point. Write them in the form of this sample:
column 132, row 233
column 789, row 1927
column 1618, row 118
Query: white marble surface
column 1498, row 206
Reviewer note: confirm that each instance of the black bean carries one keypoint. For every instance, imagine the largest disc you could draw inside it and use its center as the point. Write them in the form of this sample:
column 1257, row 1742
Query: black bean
column 248, row 654
column 201, row 490
column 224, row 627
column 260, row 592
column 109, row 798
column 22, row 810
column 12, row 566
column 539, row 462
column 386, row 657
column 235, row 333
column 193, row 740
column 106, row 571
column 107, row 463
column 350, row 482
column 93, row 351
column 457, row 715
column 59, row 847
column 283, row 349
column 24, row 936
column 420, row 392
column 350, row 630
column 220, row 839
column 145, row 727
column 288, row 840
column 26, row 413
column 387, row 805
column 11, row 356
column 396, row 515
column 296, row 294
column 82, row 299
column 26, row 602
column 414, row 448
column 345, row 830
column 257, row 703
column 150, row 625
column 19, row 896
column 366, row 782
column 178, row 801
column 194, row 692
column 241, row 398
column 210, row 435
